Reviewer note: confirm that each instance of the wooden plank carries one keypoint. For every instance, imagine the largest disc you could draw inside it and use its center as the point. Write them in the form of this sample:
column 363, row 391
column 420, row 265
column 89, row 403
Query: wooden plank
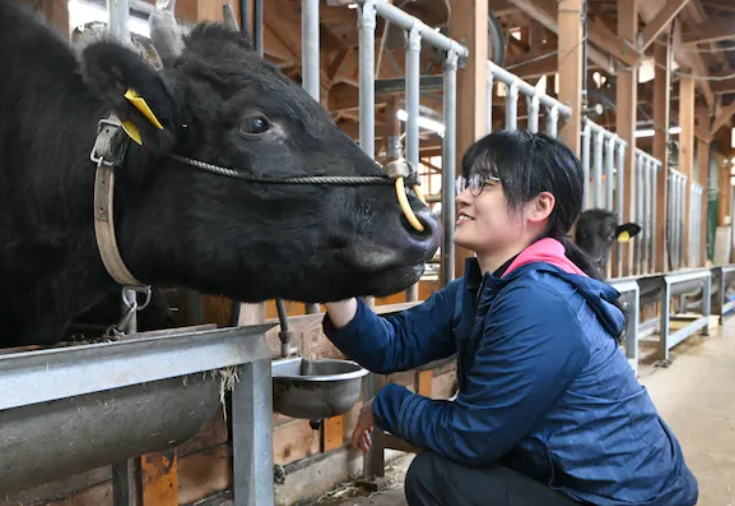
column 667, row 13
column 424, row 383
column 468, row 23
column 204, row 474
column 570, row 58
column 626, row 116
column 661, row 120
column 686, row 152
column 723, row 117
column 333, row 433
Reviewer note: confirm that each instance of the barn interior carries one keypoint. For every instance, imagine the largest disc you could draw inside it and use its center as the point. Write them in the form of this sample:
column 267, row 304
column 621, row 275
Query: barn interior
column 643, row 91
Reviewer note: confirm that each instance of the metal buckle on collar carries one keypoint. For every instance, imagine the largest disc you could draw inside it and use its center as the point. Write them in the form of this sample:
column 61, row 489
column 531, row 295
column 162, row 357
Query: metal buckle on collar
column 102, row 151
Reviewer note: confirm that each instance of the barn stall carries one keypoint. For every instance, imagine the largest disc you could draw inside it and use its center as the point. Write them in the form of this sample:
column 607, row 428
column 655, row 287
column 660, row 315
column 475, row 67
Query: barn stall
column 366, row 60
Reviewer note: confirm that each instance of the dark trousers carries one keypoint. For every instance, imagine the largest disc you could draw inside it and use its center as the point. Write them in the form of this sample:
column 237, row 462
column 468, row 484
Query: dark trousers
column 433, row 480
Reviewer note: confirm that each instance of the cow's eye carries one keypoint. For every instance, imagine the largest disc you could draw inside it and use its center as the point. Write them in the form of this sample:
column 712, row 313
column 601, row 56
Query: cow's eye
column 255, row 125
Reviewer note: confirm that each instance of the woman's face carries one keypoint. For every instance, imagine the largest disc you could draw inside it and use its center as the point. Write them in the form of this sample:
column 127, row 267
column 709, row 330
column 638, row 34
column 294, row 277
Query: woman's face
column 486, row 225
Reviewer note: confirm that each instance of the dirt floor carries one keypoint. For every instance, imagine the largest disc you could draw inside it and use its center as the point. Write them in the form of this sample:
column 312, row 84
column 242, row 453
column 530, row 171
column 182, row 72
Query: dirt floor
column 696, row 397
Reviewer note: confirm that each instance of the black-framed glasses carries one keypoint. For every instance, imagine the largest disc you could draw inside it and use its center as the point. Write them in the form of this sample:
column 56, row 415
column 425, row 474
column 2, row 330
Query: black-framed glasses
column 475, row 183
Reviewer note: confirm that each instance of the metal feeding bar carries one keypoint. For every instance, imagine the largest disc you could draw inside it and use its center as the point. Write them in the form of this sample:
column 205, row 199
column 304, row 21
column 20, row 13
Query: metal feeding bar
column 721, row 307
column 630, row 300
column 677, row 203
column 646, row 173
column 535, row 99
column 68, row 410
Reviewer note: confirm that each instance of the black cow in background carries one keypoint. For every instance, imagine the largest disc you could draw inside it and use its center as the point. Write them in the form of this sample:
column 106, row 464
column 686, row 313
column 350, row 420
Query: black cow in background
column 597, row 230
column 178, row 222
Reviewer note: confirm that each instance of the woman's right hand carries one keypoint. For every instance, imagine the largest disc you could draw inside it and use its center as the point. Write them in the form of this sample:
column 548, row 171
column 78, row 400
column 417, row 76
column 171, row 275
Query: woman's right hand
column 341, row 313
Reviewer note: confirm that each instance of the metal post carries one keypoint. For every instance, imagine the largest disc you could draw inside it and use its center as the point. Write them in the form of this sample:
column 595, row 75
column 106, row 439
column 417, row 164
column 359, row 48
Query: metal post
column 366, row 25
column 449, row 154
column 490, row 88
column 656, row 167
column 511, row 107
column 552, row 122
column 639, row 212
column 609, row 181
column 586, row 141
column 620, row 194
column 118, row 12
column 533, row 110
column 413, row 55
column 252, row 441
column 310, row 47
column 707, row 302
column 598, row 169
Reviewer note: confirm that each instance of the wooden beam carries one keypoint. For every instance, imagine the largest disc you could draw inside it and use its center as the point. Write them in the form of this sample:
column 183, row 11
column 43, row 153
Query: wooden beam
column 468, row 23
column 546, row 13
column 661, row 120
column 667, row 13
column 725, row 86
column 686, row 152
column 710, row 31
column 626, row 116
column 703, row 156
column 570, row 59
column 723, row 118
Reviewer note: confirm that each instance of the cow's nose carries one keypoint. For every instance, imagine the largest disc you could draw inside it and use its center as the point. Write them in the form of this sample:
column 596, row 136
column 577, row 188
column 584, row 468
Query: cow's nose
column 426, row 237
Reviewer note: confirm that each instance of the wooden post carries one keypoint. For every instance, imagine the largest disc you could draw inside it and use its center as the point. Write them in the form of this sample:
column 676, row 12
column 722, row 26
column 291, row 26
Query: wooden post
column 686, row 153
column 627, row 98
column 468, row 24
column 570, row 58
column 661, row 120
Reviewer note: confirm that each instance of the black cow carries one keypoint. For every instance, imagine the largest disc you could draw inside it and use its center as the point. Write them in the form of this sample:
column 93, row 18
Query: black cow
column 177, row 224
column 596, row 231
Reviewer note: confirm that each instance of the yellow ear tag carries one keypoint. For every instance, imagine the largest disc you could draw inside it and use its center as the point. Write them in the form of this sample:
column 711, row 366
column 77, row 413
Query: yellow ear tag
column 140, row 104
column 132, row 131
column 624, row 236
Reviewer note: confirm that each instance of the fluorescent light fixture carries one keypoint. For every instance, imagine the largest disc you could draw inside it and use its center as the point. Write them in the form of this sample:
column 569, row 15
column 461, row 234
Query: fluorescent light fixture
column 732, row 138
column 82, row 12
column 650, row 132
column 427, row 123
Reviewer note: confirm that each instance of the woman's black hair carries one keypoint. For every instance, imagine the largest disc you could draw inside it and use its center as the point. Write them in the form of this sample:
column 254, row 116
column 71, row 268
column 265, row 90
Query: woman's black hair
column 527, row 164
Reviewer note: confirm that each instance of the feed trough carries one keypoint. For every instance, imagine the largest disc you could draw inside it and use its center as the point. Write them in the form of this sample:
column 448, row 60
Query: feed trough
column 68, row 410
column 315, row 389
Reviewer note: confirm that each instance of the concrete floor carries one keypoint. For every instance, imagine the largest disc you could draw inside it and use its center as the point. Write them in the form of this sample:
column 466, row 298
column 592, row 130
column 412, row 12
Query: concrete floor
column 696, row 397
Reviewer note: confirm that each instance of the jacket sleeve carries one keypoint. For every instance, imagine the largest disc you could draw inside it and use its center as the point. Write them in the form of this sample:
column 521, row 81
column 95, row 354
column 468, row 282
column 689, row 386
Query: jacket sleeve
column 531, row 350
column 401, row 341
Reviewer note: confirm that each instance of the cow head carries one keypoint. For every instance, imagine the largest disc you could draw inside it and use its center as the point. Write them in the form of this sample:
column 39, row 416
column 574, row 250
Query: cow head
column 596, row 231
column 216, row 101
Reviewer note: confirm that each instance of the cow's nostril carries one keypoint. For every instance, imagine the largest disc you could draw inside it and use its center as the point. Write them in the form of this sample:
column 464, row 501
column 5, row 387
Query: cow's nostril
column 429, row 226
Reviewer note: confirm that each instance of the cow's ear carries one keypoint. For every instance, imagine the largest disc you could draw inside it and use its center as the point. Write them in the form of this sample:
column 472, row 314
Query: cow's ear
column 134, row 90
column 626, row 231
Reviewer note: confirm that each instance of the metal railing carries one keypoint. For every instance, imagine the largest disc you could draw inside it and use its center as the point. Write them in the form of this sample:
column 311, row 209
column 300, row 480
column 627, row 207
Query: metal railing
column 677, row 183
column 695, row 225
column 416, row 32
column 535, row 100
column 646, row 177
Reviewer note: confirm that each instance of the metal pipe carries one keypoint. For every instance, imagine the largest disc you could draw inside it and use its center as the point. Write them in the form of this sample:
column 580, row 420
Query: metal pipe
column 552, row 121
column 118, row 13
column 586, row 141
column 511, row 107
column 639, row 212
column 413, row 57
column 648, row 166
column 407, row 22
column 392, row 85
column 533, row 111
column 525, row 88
column 449, row 157
column 310, row 47
column 490, row 89
column 258, row 27
column 598, row 169
column 367, row 22
column 620, row 195
column 654, row 212
column 609, row 181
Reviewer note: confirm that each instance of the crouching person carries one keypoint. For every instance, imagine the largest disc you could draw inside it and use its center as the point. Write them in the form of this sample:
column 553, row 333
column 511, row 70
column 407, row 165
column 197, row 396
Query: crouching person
column 548, row 411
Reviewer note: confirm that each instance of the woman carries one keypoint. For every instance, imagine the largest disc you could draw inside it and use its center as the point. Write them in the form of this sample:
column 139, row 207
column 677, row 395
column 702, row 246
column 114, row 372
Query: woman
column 548, row 412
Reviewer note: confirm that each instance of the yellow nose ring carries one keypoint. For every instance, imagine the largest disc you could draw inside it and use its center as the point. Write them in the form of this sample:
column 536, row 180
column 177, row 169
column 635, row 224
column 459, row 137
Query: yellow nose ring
column 399, row 170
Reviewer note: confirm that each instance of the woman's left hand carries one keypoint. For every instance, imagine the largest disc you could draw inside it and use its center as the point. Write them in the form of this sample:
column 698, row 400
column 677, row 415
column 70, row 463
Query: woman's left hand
column 365, row 424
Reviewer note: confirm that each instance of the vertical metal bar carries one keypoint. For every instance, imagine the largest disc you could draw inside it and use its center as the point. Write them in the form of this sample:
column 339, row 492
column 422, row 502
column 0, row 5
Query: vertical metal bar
column 449, row 155
column 654, row 178
column 670, row 217
column 126, row 480
column 511, row 107
column 707, row 303
column 490, row 93
column 631, row 335
column 664, row 325
column 252, row 438
column 586, row 141
column 552, row 122
column 620, row 199
column 533, row 110
column 413, row 51
column 598, row 168
column 310, row 47
column 648, row 214
column 366, row 25
column 609, row 181
column 639, row 211
column 118, row 12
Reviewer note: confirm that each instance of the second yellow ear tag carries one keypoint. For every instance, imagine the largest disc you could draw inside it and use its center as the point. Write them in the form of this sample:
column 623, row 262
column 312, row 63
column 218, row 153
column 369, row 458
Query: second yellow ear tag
column 140, row 104
column 624, row 236
column 132, row 131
